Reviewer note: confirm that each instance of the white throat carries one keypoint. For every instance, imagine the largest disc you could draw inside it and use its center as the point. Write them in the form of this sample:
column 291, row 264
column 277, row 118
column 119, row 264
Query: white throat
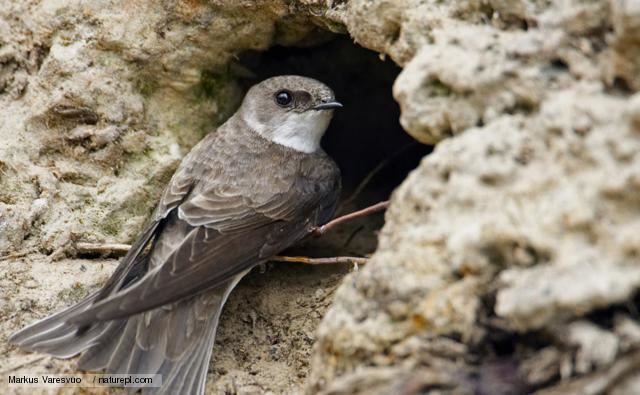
column 299, row 131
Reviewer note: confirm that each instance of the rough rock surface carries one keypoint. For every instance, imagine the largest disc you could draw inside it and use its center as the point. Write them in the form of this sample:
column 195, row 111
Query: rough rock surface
column 509, row 260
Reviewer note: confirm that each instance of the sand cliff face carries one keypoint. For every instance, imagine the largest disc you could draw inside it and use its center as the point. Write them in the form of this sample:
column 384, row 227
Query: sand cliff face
column 510, row 256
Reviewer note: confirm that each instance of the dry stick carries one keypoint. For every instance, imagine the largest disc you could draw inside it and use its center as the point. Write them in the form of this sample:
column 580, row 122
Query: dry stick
column 18, row 254
column 348, row 217
column 319, row 231
column 121, row 249
column 107, row 248
column 319, row 261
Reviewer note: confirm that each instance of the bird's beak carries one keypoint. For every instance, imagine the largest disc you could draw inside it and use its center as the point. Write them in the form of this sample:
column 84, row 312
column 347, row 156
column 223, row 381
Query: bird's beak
column 328, row 105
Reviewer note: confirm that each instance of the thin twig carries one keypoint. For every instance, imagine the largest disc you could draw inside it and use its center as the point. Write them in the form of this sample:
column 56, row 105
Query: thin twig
column 345, row 218
column 320, row 261
column 18, row 254
column 102, row 249
column 121, row 249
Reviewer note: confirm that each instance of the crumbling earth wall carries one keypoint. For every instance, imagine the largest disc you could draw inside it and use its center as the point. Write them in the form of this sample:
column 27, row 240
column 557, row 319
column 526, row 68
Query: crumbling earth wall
column 510, row 257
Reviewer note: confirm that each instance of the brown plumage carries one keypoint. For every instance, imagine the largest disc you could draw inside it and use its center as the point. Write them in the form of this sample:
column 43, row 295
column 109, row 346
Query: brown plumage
column 256, row 186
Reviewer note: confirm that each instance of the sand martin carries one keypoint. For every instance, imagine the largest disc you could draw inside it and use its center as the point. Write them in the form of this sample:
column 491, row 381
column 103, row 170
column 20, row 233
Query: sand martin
column 247, row 191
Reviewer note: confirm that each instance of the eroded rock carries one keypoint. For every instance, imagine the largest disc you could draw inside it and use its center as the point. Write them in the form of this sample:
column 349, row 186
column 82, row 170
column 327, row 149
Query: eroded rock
column 506, row 255
column 522, row 222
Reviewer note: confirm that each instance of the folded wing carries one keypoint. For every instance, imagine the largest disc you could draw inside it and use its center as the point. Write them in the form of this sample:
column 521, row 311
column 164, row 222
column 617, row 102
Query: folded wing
column 212, row 235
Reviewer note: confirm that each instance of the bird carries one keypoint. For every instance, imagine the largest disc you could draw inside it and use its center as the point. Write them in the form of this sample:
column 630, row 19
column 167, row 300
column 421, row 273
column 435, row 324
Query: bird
column 256, row 185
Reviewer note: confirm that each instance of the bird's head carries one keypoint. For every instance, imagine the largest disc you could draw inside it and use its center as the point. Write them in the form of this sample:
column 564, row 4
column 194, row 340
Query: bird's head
column 290, row 110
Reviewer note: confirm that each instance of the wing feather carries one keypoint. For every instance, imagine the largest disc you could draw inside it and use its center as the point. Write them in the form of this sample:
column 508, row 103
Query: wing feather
column 219, row 228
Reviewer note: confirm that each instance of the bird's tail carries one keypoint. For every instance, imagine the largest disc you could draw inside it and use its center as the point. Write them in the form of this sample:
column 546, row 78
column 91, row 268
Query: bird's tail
column 174, row 341
column 53, row 335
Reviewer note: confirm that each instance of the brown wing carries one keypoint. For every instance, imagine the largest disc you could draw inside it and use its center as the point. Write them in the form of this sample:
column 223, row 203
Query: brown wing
column 218, row 232
column 128, row 270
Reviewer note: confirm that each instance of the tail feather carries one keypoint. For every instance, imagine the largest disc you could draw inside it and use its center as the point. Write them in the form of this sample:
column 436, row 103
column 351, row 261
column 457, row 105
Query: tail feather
column 56, row 336
column 52, row 335
column 175, row 341
column 93, row 359
column 124, row 345
column 188, row 375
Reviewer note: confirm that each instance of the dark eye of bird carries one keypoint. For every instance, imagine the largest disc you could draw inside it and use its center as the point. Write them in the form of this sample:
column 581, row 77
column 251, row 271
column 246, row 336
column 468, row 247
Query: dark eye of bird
column 283, row 98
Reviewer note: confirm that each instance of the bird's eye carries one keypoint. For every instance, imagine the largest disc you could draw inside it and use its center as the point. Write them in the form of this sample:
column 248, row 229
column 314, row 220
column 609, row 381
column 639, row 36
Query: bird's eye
column 283, row 98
